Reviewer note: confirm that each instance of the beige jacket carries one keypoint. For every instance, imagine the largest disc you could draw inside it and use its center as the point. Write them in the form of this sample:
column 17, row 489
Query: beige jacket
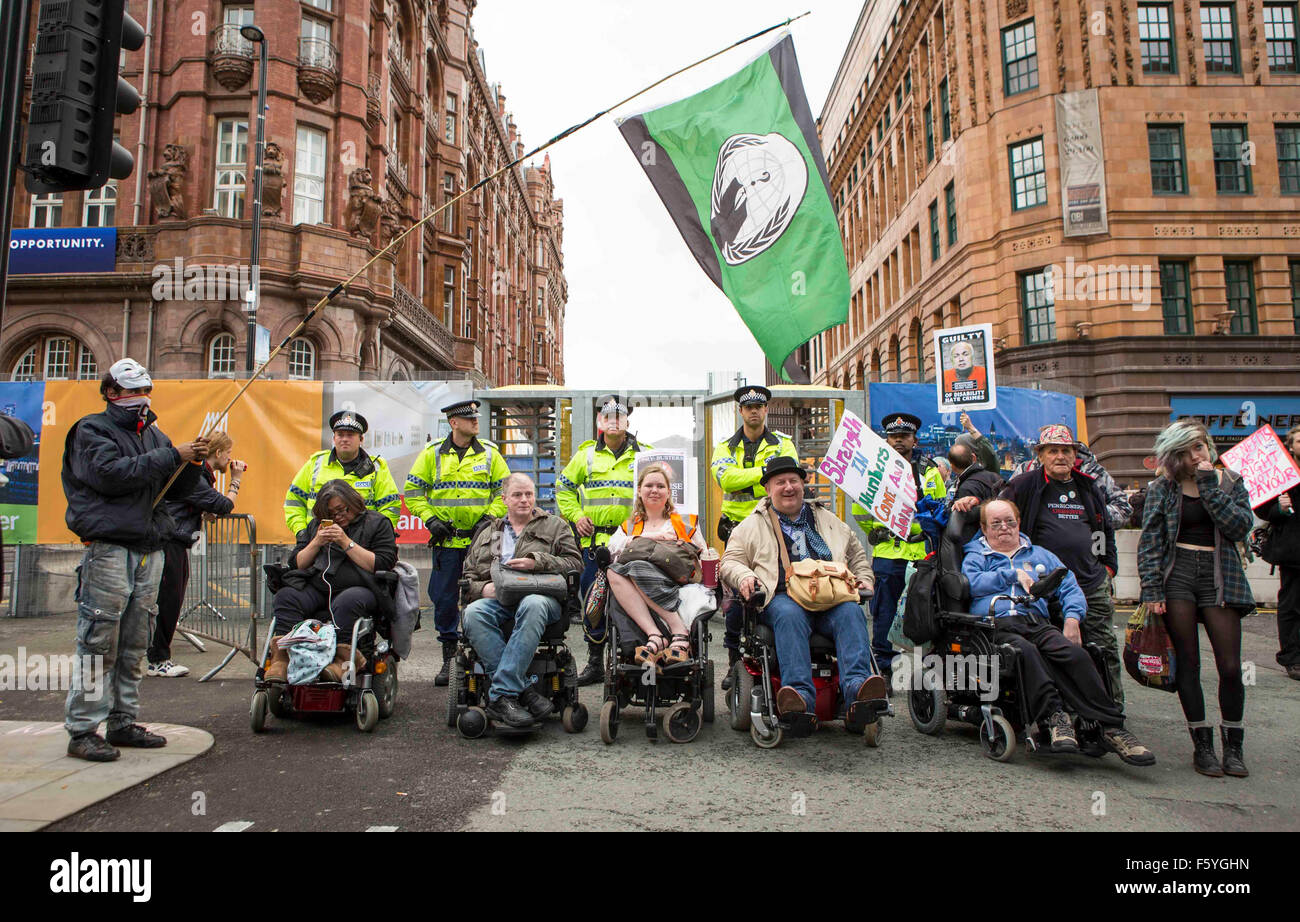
column 752, row 549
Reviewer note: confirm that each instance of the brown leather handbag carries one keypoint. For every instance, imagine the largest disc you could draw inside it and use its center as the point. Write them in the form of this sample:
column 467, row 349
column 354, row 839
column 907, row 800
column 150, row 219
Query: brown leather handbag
column 815, row 585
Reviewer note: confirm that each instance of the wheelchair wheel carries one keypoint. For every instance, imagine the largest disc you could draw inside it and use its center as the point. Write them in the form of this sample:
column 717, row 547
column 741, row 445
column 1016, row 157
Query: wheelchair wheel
column 768, row 742
column 367, row 711
column 928, row 709
column 275, row 699
column 681, row 722
column 609, row 722
column 872, row 732
column 1003, row 745
column 455, row 682
column 387, row 691
column 257, row 711
column 574, row 718
column 742, row 689
column 707, row 693
column 473, row 723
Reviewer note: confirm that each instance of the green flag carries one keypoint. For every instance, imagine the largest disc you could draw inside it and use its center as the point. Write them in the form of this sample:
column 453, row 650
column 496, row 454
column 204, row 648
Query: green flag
column 740, row 170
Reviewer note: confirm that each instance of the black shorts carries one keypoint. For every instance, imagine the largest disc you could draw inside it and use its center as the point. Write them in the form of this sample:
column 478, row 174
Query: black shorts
column 1192, row 578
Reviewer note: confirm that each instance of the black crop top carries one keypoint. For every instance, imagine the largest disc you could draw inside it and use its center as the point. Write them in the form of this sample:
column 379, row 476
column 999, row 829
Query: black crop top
column 1195, row 526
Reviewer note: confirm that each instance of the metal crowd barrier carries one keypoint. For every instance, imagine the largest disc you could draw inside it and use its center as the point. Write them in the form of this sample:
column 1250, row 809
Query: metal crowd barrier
column 224, row 594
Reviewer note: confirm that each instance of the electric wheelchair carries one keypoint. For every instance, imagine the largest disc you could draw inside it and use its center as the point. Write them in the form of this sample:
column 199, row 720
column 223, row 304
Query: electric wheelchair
column 755, row 680
column 553, row 670
column 368, row 693
column 958, row 632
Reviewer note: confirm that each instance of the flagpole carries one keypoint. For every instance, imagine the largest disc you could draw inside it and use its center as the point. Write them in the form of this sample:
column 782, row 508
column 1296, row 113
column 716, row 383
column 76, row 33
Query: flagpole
column 397, row 241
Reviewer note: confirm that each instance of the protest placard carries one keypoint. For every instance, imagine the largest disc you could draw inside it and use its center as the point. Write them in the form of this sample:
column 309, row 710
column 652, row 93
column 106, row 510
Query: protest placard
column 963, row 357
column 683, row 482
column 863, row 465
column 1264, row 464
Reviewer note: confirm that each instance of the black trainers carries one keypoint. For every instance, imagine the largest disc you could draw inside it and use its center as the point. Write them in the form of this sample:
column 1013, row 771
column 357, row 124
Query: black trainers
column 537, row 704
column 1061, row 730
column 136, row 737
column 92, row 748
column 508, row 711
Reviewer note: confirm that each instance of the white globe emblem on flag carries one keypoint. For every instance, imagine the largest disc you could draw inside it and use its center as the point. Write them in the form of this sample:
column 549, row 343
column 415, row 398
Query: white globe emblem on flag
column 758, row 186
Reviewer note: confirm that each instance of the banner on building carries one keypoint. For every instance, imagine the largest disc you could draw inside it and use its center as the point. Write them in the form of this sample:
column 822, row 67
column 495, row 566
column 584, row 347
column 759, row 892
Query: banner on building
column 1264, row 464
column 963, row 357
column 1083, row 163
column 19, row 477
column 740, row 169
column 683, row 480
column 1230, row 418
column 875, row 476
column 58, row 250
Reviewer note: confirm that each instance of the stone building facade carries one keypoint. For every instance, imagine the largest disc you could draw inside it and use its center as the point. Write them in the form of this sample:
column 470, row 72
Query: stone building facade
column 941, row 136
column 378, row 111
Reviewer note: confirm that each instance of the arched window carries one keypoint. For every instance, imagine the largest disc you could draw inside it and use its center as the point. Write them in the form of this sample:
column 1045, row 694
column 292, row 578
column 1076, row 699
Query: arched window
column 877, row 366
column 918, row 352
column 896, row 350
column 56, row 358
column 221, row 356
column 302, row 360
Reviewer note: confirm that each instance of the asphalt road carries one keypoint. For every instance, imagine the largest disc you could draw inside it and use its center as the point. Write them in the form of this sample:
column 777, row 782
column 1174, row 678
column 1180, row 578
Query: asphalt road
column 414, row 773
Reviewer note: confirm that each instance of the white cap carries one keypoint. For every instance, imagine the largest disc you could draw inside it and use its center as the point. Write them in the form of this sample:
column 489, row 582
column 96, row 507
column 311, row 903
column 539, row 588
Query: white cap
column 130, row 375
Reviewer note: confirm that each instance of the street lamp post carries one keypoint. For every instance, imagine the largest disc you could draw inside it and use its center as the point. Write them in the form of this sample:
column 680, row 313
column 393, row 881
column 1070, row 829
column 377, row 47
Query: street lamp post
column 254, row 34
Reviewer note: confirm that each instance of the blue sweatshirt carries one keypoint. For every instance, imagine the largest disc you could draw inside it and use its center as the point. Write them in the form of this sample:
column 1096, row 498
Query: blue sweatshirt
column 992, row 573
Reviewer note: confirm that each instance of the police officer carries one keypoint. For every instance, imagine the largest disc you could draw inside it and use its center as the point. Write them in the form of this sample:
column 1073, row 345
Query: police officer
column 603, row 468
column 890, row 555
column 737, row 466
column 347, row 460
column 453, row 486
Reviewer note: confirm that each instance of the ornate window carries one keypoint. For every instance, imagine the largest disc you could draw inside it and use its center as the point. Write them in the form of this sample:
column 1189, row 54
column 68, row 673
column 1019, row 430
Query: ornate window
column 221, row 356
column 302, row 360
column 56, row 358
column 232, row 167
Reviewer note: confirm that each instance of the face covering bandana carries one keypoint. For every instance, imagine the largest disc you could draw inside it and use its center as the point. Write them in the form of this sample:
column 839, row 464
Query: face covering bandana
column 139, row 402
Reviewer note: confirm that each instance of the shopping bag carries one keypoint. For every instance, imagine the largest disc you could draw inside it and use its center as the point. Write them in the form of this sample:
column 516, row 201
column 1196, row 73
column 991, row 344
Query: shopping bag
column 1148, row 651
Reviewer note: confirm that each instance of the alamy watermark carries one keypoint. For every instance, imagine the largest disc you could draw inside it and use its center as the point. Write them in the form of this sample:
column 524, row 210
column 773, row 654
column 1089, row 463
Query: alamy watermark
column 972, row 672
column 1134, row 283
column 176, row 281
column 55, row 672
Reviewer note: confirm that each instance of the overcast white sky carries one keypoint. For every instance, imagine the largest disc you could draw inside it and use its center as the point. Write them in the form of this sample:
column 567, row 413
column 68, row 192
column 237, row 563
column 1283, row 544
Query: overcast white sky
column 641, row 312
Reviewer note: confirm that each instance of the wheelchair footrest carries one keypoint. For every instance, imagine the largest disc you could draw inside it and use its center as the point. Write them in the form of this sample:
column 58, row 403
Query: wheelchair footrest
column 861, row 714
column 798, row 725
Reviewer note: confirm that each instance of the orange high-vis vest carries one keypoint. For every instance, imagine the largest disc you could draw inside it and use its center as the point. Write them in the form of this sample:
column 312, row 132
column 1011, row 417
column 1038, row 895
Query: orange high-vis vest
column 685, row 527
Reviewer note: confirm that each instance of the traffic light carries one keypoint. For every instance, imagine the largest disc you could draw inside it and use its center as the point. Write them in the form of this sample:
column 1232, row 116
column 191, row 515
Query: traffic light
column 77, row 95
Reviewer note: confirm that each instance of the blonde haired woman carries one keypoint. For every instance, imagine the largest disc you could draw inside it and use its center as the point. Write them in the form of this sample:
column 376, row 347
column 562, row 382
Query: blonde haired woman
column 639, row 591
column 1192, row 574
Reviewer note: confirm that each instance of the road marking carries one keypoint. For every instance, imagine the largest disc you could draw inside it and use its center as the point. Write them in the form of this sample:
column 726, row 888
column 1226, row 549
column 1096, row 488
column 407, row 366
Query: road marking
column 233, row 826
column 381, row 829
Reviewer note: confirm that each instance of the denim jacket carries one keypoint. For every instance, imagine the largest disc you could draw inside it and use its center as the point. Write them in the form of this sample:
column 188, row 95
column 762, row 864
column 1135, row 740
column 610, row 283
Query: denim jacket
column 1228, row 503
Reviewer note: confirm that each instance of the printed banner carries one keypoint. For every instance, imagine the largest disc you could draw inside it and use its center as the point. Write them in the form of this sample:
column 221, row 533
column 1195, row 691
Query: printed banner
column 965, row 377
column 46, row 250
column 1230, row 418
column 1083, row 163
column 875, row 476
column 19, row 477
column 1264, row 464
column 683, row 481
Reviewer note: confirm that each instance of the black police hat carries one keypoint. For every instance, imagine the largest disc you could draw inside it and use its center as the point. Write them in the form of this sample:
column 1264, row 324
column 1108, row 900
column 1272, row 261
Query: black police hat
column 752, row 393
column 467, row 409
column 900, row 422
column 347, row 419
column 611, row 403
column 782, row 464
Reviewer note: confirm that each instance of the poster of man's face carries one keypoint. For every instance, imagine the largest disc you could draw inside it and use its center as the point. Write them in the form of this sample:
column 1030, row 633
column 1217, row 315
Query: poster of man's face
column 965, row 379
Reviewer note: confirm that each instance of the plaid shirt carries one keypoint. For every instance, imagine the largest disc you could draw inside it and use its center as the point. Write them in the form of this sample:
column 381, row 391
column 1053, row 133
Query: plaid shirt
column 1228, row 504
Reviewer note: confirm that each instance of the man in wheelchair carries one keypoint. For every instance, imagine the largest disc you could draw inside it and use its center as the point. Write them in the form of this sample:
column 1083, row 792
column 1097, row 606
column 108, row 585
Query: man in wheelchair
column 503, row 632
column 752, row 563
column 1058, row 674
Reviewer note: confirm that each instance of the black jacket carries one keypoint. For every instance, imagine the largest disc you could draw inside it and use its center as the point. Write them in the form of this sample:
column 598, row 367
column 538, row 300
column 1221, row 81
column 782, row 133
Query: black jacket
column 978, row 482
column 372, row 531
column 1027, row 490
column 187, row 509
column 1286, row 528
column 111, row 474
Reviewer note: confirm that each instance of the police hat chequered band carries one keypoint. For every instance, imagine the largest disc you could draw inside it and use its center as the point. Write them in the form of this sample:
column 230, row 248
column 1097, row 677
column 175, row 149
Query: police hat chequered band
column 1056, row 434
column 350, row 421
column 751, row 396
column 900, row 424
column 610, row 407
column 467, row 409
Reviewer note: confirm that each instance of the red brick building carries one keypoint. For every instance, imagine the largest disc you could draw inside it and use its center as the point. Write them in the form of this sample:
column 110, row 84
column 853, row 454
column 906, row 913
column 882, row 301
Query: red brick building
column 378, row 111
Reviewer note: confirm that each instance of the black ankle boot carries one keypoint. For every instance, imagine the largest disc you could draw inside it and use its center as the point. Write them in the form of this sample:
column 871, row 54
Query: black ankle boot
column 448, row 654
column 1203, row 759
column 1233, row 763
column 732, row 656
column 594, row 671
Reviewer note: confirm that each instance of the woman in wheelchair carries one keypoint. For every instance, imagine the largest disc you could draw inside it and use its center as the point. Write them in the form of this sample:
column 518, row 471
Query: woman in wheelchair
column 333, row 566
column 643, row 599
column 1057, row 672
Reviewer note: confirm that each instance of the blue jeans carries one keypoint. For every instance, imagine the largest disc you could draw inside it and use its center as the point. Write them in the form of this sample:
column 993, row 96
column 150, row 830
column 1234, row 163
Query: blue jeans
column 891, row 575
column 793, row 626
column 444, row 591
column 117, row 596
column 589, row 570
column 506, row 654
